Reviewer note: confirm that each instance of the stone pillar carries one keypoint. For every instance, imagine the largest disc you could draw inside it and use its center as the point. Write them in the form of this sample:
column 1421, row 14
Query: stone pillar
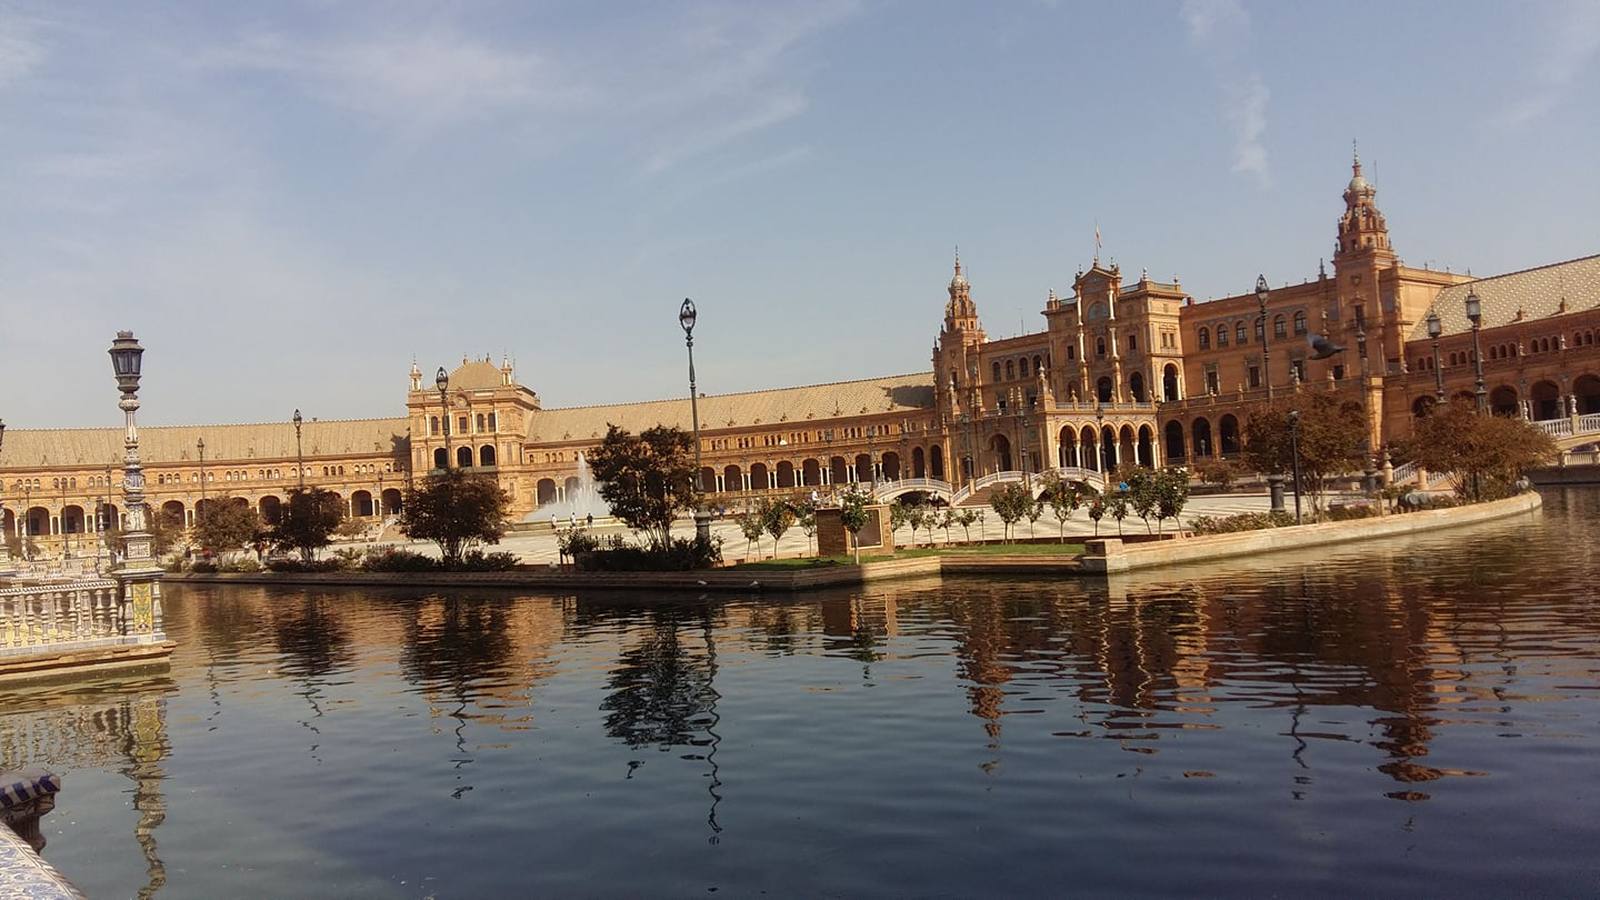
column 1275, row 491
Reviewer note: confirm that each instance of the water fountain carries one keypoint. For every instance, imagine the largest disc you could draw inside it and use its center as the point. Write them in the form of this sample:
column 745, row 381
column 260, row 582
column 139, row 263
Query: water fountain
column 580, row 502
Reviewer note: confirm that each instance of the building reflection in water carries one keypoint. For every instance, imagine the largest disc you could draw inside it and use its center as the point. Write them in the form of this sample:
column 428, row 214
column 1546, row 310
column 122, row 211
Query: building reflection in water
column 114, row 726
column 1144, row 657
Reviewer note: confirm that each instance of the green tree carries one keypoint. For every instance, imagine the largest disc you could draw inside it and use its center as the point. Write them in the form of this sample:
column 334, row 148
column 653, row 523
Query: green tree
column 946, row 519
column 456, row 510
column 309, row 516
column 752, row 526
column 1117, row 506
column 777, row 516
column 229, row 523
column 966, row 517
column 806, row 517
column 647, row 478
column 1033, row 511
column 1486, row 454
column 1142, row 495
column 1332, row 439
column 853, row 515
column 1010, row 502
column 916, row 516
column 1097, row 511
column 1064, row 498
column 1172, row 494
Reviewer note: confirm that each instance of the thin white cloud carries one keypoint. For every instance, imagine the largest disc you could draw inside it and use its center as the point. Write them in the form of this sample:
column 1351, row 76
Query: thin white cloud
column 1574, row 44
column 773, row 111
column 1219, row 29
column 419, row 81
column 21, row 49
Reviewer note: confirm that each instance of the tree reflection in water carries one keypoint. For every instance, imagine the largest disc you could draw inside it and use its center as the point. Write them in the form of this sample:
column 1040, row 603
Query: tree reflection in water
column 663, row 692
column 457, row 648
column 313, row 643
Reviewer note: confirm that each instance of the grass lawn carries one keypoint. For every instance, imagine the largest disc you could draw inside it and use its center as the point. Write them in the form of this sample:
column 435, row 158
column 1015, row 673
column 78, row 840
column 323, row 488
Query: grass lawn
column 812, row 562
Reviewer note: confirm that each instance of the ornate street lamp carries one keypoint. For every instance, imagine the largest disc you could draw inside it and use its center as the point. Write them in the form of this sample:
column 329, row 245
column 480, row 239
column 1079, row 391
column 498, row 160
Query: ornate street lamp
column 140, row 573
column 687, row 316
column 1434, row 330
column 1294, row 450
column 1262, row 295
column 1475, row 314
column 1100, row 444
column 5, row 550
column 200, row 510
column 442, row 382
column 299, row 455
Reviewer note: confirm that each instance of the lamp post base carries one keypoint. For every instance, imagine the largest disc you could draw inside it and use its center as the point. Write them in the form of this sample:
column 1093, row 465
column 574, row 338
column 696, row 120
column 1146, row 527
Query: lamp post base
column 1275, row 491
column 702, row 525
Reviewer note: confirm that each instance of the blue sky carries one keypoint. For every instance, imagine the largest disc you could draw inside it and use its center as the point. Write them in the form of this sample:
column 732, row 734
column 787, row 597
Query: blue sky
column 289, row 201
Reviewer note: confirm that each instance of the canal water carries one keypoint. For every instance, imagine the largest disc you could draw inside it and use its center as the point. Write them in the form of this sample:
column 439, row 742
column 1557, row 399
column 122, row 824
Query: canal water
column 1415, row 718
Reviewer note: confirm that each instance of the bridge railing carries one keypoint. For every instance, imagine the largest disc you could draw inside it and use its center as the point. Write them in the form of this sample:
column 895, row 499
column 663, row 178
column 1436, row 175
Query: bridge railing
column 883, row 489
column 78, row 614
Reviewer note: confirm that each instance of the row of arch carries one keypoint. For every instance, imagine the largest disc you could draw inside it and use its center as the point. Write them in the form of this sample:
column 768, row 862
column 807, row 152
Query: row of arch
column 1543, row 402
column 464, row 457
column 40, row 521
column 809, row 472
column 1171, row 390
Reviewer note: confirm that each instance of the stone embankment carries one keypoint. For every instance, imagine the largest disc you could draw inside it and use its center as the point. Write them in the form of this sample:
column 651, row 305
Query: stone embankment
column 1109, row 556
column 1104, row 556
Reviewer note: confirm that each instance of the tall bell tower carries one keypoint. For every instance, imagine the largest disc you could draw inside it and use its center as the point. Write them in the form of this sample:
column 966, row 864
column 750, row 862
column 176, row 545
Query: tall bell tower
column 955, row 356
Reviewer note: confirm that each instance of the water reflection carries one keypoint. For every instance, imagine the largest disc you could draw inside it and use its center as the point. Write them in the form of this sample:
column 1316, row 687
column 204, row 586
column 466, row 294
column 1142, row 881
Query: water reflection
column 116, row 725
column 898, row 718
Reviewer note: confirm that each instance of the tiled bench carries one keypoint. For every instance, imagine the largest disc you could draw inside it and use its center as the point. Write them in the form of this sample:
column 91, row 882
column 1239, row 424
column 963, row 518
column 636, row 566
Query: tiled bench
column 25, row 797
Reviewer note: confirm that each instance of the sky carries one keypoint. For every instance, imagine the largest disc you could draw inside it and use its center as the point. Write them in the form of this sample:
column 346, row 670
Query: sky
column 289, row 202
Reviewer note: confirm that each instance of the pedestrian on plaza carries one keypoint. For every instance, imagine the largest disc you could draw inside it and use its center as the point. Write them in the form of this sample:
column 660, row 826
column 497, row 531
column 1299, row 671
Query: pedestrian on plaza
column 588, row 521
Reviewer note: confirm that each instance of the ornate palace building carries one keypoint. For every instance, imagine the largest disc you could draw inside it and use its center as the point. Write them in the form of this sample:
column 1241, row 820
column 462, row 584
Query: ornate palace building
column 1122, row 371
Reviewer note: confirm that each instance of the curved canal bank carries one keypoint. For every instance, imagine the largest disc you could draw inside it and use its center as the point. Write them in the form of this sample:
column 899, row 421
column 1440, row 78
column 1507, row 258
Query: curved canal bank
column 1104, row 556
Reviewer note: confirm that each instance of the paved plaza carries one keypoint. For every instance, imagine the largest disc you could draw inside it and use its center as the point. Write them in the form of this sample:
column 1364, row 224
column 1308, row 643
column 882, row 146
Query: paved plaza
column 539, row 547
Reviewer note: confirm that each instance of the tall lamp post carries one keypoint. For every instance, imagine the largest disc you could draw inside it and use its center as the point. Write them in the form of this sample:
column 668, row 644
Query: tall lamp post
column 1434, row 330
column 1100, row 444
column 1475, row 314
column 1262, row 294
column 200, row 509
column 5, row 549
column 442, row 382
column 140, row 573
column 299, row 454
column 687, row 315
column 1294, row 450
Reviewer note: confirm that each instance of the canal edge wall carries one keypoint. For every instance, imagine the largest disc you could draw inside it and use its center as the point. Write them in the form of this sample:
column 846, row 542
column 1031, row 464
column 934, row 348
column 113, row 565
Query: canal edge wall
column 1109, row 555
column 703, row 580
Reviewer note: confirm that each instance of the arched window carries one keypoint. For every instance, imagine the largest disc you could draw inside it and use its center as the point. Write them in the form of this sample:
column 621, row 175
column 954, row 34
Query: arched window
column 1278, row 329
column 997, row 370
column 486, row 455
column 1133, row 342
column 1022, row 367
column 492, row 426
column 1011, row 370
column 1036, row 365
column 1072, row 352
column 440, row 458
column 1260, row 329
column 1099, row 346
column 1222, row 335
column 481, row 422
column 1300, row 322
column 1205, row 339
column 1240, row 336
